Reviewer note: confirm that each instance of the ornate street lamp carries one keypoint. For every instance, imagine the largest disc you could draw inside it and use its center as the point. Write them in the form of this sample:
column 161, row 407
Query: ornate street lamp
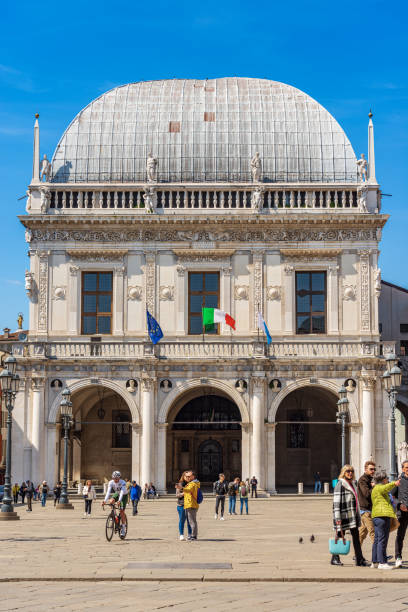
column 9, row 381
column 66, row 419
column 341, row 416
column 392, row 378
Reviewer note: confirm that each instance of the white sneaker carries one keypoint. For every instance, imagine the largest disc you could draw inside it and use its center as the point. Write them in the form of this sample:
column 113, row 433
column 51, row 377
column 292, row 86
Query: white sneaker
column 222, row 518
column 386, row 566
column 398, row 562
column 181, row 537
column 374, row 566
column 215, row 516
column 84, row 514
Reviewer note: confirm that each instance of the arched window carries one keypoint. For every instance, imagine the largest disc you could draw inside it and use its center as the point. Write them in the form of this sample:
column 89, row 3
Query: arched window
column 209, row 413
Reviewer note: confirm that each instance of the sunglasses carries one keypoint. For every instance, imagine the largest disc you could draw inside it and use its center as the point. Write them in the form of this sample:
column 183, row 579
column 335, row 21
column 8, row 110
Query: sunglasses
column 349, row 472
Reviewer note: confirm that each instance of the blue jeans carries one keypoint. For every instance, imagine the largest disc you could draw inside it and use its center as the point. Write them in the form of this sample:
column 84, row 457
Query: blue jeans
column 231, row 504
column 182, row 520
column 43, row 498
column 244, row 500
column 318, row 486
column 382, row 533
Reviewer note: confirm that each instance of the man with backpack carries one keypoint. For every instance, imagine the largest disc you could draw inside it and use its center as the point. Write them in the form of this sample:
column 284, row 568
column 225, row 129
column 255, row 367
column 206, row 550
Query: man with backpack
column 232, row 495
column 192, row 498
column 220, row 489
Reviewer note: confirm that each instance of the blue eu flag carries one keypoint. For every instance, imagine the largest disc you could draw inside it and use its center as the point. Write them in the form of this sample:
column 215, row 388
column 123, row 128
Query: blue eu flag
column 153, row 328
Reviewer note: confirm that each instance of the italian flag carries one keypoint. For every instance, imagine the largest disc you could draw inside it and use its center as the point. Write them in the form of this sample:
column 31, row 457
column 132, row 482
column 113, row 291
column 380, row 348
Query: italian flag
column 213, row 315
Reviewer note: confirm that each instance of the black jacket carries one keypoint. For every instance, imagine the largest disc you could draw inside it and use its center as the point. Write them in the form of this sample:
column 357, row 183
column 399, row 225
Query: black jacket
column 220, row 488
column 401, row 492
column 29, row 489
column 364, row 492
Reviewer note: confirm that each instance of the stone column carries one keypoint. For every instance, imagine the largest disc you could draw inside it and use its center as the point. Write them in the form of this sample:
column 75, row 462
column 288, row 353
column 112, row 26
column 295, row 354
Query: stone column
column 258, row 384
column 246, row 429
column 288, row 302
column 271, row 461
column 136, row 433
column 74, row 301
column 181, row 309
column 161, row 456
column 118, row 292
column 37, row 469
column 367, row 417
column 50, row 470
column 225, row 286
column 147, row 474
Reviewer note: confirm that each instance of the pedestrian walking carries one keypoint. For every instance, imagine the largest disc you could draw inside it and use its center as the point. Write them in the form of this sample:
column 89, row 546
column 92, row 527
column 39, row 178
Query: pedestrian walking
column 29, row 494
column 346, row 513
column 89, row 494
column 191, row 505
column 44, row 493
column 135, row 494
column 232, row 495
column 317, row 482
column 382, row 512
column 254, row 485
column 243, row 496
column 220, row 489
column 22, row 492
column 57, row 493
column 401, row 495
column 15, row 490
column 181, row 510
column 364, row 490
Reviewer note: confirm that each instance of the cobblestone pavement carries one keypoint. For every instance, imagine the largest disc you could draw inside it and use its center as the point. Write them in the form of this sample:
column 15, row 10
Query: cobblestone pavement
column 50, row 545
column 142, row 596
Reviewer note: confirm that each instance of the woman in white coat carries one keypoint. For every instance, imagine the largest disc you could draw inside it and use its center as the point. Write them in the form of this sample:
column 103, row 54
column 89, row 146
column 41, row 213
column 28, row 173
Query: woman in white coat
column 89, row 494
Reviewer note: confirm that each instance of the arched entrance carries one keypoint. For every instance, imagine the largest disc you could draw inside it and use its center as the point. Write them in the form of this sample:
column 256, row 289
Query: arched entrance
column 204, row 434
column 101, row 436
column 307, row 438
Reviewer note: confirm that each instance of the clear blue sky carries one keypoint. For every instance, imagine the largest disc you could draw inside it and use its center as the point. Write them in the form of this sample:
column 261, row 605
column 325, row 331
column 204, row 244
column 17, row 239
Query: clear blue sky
column 56, row 57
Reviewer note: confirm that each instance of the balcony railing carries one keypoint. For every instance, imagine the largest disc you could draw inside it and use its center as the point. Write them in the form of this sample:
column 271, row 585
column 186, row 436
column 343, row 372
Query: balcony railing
column 272, row 197
column 185, row 350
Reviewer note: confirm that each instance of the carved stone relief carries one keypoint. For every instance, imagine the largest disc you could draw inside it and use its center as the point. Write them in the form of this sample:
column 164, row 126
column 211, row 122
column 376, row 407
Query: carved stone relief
column 150, row 283
column 90, row 256
column 241, row 292
column 59, row 292
column 43, row 292
column 135, row 292
column 273, row 292
column 258, row 284
column 166, row 293
column 365, row 289
column 349, row 292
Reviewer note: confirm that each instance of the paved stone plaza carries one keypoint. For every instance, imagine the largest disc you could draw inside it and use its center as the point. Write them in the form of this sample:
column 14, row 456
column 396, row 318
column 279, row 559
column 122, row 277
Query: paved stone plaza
column 61, row 548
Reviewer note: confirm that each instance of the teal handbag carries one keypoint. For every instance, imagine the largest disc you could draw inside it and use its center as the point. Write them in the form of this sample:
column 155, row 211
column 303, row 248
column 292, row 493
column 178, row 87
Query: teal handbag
column 339, row 546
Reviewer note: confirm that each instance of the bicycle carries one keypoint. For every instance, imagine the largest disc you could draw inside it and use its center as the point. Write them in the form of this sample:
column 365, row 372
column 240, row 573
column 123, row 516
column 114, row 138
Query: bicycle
column 114, row 523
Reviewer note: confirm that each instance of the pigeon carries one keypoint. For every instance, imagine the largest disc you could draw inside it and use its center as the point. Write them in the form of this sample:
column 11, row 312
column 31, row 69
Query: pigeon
column 300, row 540
column 312, row 538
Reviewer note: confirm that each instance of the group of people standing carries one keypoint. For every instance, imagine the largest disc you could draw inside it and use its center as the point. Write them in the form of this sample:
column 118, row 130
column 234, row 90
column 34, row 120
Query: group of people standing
column 28, row 491
column 374, row 507
column 235, row 488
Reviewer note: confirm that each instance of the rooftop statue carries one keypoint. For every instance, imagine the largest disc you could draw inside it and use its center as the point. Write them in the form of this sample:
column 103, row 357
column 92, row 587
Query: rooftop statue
column 45, row 169
column 149, row 200
column 362, row 168
column 257, row 200
column 256, row 168
column 362, row 199
column 151, row 168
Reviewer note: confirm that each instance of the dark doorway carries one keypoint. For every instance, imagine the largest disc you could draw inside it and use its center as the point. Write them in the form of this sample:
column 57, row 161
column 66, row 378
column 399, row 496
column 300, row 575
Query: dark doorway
column 209, row 461
column 205, row 435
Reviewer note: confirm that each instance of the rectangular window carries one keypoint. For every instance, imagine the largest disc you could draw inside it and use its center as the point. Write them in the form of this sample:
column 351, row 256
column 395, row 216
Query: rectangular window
column 404, row 328
column 203, row 290
column 120, row 429
column 96, row 303
column 310, row 302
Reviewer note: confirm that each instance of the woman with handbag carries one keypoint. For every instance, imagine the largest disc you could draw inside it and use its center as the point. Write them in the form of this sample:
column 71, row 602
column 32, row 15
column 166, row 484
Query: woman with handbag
column 89, row 494
column 382, row 514
column 346, row 516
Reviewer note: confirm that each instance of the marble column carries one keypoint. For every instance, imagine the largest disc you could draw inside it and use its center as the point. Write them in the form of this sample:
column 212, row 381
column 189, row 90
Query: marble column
column 246, row 429
column 258, row 384
column 37, row 464
column 288, row 302
column 136, row 434
column 161, row 456
column 271, row 459
column 50, row 471
column 367, row 417
column 333, row 300
column 147, row 463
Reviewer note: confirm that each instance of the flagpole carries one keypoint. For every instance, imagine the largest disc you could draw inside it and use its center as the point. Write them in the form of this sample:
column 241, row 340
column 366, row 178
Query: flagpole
column 202, row 316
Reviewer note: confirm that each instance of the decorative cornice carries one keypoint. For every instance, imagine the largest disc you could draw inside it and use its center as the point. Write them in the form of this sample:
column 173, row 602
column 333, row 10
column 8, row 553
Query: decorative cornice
column 91, row 255
column 304, row 254
column 195, row 255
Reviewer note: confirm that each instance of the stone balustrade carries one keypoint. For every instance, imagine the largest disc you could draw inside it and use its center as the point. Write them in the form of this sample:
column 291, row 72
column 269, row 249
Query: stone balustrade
column 197, row 349
column 272, row 197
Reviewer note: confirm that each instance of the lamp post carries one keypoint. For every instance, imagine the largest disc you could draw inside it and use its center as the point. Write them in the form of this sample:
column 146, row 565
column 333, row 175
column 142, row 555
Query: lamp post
column 9, row 388
column 392, row 378
column 341, row 416
column 66, row 418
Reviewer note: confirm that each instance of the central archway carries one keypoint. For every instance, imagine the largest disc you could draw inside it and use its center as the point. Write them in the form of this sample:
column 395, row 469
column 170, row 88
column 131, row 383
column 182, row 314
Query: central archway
column 204, row 433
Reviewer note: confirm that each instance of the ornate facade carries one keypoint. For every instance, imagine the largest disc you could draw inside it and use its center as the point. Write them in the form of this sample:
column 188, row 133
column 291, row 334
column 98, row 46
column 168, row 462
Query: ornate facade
column 241, row 194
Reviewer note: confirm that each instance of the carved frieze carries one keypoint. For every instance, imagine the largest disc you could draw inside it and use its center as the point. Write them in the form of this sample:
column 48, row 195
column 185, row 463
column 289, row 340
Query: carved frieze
column 309, row 254
column 91, row 256
column 43, row 292
column 227, row 235
column 150, row 283
column 365, row 289
column 258, row 284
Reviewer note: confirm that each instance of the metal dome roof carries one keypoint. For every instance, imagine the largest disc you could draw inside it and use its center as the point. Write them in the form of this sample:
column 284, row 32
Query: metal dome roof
column 204, row 131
